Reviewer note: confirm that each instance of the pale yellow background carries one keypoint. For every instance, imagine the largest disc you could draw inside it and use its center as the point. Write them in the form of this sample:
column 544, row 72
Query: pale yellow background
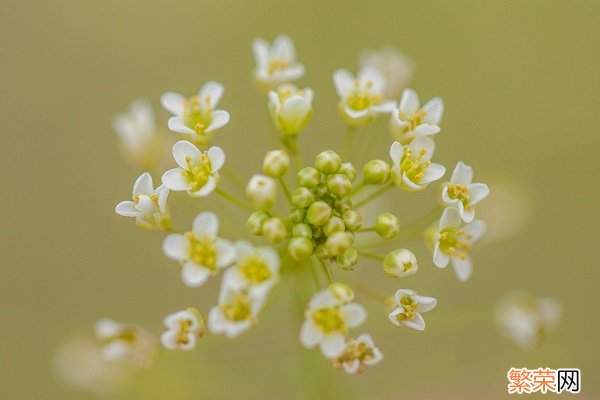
column 521, row 87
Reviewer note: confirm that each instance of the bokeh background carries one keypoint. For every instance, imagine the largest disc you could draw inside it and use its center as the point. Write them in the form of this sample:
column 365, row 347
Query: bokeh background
column 521, row 88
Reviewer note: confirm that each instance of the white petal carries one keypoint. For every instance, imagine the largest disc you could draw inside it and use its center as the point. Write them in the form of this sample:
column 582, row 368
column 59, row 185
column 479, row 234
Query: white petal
column 225, row 253
column 283, row 47
column 206, row 223
column 410, row 184
column 173, row 102
column 219, row 119
column 193, row 275
column 174, row 180
column 352, row 367
column 396, row 152
column 409, row 103
column 466, row 215
column 463, row 267
column 216, row 155
column 333, row 345
column 434, row 109
column 356, row 114
column 425, row 303
column 207, row 189
column 243, row 248
column 462, row 174
column 261, row 52
column 440, row 259
column 175, row 246
column 426, row 129
column 127, row 209
column 475, row 229
column 163, row 193
column 393, row 316
column 169, row 339
column 183, row 150
column 385, row 107
column 478, row 192
column 417, row 322
column 270, row 256
column 212, row 89
column 355, row 314
column 372, row 76
column 433, row 173
column 145, row 205
column 310, row 335
column 143, row 185
column 450, row 218
column 400, row 293
column 343, row 81
column 176, row 124
column 423, row 142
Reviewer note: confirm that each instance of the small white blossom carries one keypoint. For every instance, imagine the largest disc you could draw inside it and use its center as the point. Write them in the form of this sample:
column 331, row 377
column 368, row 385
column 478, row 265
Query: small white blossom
column 148, row 205
column 410, row 120
column 236, row 312
column 199, row 171
column 397, row 68
column 327, row 321
column 197, row 116
column 413, row 169
column 262, row 192
column 526, row 319
column 200, row 252
column 361, row 98
column 276, row 63
column 460, row 192
column 408, row 308
column 137, row 131
column 452, row 242
column 290, row 108
column 359, row 353
column 184, row 328
column 125, row 342
column 256, row 269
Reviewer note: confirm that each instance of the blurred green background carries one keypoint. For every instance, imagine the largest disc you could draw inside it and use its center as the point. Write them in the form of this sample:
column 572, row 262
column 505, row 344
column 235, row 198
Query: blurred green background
column 521, row 88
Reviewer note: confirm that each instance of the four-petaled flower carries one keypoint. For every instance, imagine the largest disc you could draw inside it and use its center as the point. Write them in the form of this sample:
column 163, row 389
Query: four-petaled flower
column 200, row 252
column 463, row 194
column 361, row 98
column 148, row 205
column 410, row 120
column 408, row 308
column 290, row 108
column 256, row 269
column 276, row 64
column 184, row 328
column 452, row 242
column 196, row 116
column 359, row 353
column 199, row 171
column 413, row 169
column 328, row 318
column 236, row 311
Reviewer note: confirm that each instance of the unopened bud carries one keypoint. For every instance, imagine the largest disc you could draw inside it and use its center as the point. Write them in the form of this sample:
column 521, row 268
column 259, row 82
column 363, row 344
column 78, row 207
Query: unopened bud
column 300, row 248
column 262, row 192
column 302, row 230
column 274, row 229
column 302, row 197
column 352, row 220
column 341, row 291
column 276, row 163
column 340, row 185
column 255, row 222
column 318, row 213
column 348, row 170
column 328, row 162
column 308, row 177
column 297, row 215
column 348, row 259
column 376, row 172
column 338, row 243
column 333, row 225
column 387, row 225
column 400, row 263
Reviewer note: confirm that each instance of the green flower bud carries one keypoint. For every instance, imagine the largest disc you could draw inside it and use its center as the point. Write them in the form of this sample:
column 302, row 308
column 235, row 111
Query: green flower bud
column 328, row 162
column 302, row 197
column 321, row 190
column 262, row 192
column 348, row 170
column 321, row 252
column 387, row 225
column 333, row 225
column 255, row 222
column 300, row 248
column 317, row 231
column 302, row 230
column 276, row 163
column 338, row 243
column 376, row 172
column 274, row 229
column 318, row 213
column 352, row 220
column 343, row 205
column 340, row 185
column 297, row 215
column 308, row 177
column 342, row 292
column 400, row 263
column 348, row 259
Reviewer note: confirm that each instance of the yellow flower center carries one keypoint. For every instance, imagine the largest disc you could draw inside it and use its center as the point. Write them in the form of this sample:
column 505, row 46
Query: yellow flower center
column 409, row 306
column 238, row 310
column 183, row 332
column 277, row 64
column 415, row 119
column 329, row 320
column 194, row 116
column 407, row 266
column 197, row 174
column 460, row 192
column 414, row 166
column 254, row 269
column 452, row 242
column 355, row 351
column 360, row 97
column 202, row 251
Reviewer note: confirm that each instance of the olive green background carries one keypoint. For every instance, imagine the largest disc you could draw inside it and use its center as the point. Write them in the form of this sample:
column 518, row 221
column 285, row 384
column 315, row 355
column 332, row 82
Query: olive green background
column 521, row 88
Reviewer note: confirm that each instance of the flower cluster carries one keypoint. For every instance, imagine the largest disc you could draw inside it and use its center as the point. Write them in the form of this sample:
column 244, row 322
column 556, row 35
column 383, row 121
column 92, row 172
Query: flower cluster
column 320, row 226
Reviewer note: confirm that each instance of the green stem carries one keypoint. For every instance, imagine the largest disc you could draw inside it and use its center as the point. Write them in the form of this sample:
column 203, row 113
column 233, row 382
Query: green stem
column 347, row 142
column 234, row 200
column 368, row 229
column 371, row 255
column 285, row 189
column 358, row 188
column 315, row 276
column 235, row 179
column 327, row 271
column 374, row 195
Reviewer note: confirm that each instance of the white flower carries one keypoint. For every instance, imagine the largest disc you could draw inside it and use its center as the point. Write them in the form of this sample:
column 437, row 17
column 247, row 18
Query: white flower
column 236, row 312
column 200, row 252
column 137, row 131
column 290, row 108
column 463, row 194
column 452, row 242
column 198, row 172
column 327, row 321
column 359, row 353
column 408, row 308
column 413, row 169
column 196, row 116
column 525, row 319
column 410, row 120
column 183, row 329
column 361, row 98
column 256, row 269
column 400, row 263
column 125, row 342
column 276, row 64
column 148, row 205
column 397, row 68
column 262, row 192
